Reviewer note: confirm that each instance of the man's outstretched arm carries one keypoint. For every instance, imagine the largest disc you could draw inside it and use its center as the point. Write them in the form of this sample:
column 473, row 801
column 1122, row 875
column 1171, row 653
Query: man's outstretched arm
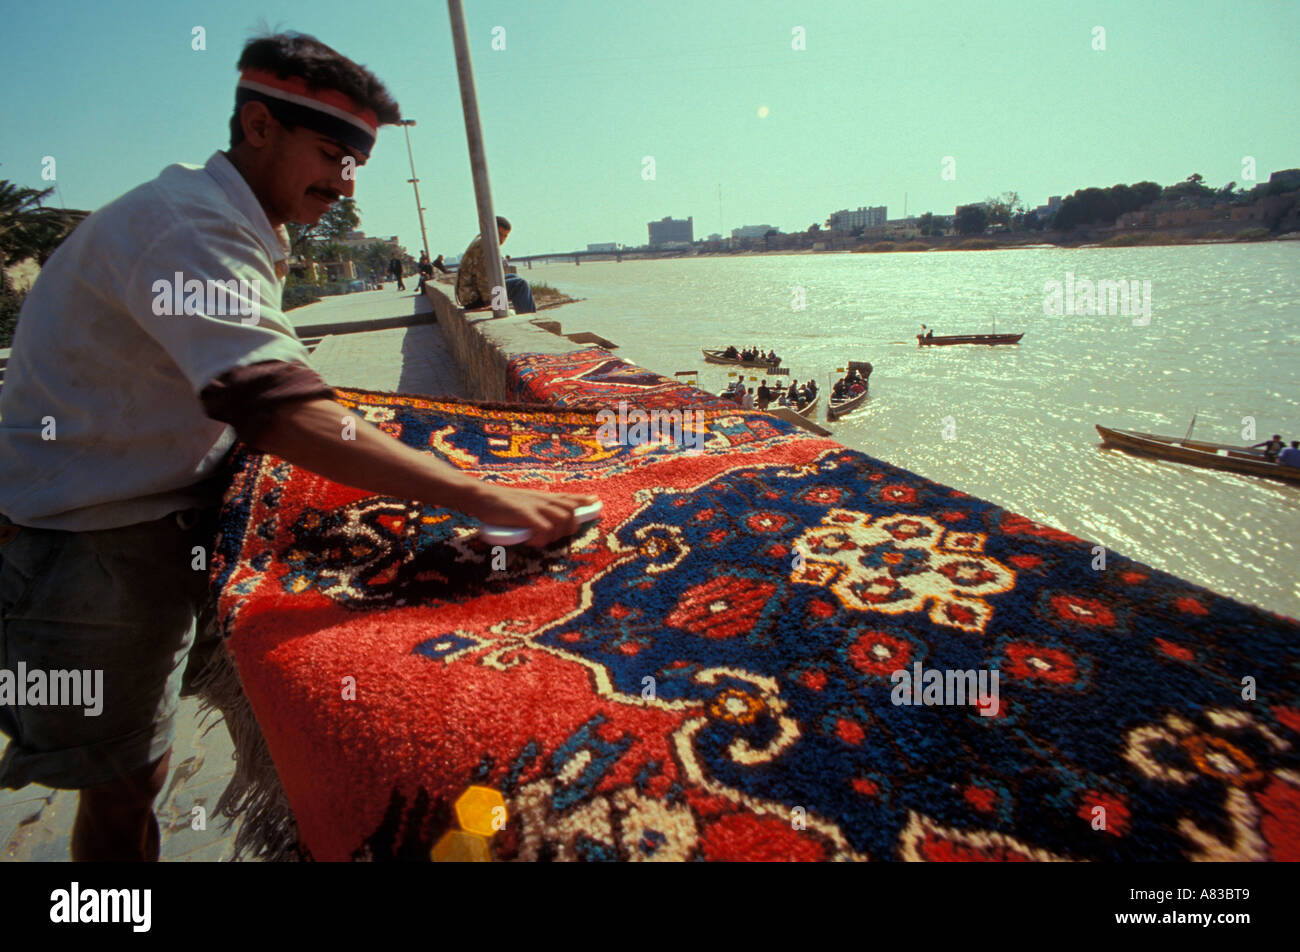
column 309, row 434
column 285, row 409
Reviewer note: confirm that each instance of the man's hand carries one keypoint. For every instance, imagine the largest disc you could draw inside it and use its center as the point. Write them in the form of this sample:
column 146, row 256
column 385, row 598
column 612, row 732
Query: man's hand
column 549, row 515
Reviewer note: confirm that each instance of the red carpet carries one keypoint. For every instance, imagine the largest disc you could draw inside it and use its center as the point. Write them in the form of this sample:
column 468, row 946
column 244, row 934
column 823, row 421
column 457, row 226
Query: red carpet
column 706, row 672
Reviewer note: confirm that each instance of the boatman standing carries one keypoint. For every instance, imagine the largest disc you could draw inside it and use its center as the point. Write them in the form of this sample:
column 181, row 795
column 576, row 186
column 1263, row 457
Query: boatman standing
column 153, row 338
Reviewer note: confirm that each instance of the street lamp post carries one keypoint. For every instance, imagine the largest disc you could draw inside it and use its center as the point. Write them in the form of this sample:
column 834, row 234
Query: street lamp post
column 415, row 183
column 477, row 154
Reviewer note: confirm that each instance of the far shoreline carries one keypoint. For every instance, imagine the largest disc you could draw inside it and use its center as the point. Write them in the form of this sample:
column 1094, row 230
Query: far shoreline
column 974, row 243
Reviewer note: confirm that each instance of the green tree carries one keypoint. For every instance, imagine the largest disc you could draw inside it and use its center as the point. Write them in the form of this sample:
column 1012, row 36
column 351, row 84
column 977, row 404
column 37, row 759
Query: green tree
column 342, row 217
column 929, row 225
column 971, row 220
column 1193, row 188
column 1003, row 209
column 28, row 230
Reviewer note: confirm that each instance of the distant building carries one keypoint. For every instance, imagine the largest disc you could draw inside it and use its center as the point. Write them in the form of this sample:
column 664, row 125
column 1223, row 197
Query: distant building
column 846, row 221
column 908, row 227
column 751, row 231
column 715, row 237
column 671, row 231
column 359, row 239
column 605, row 246
column 1288, row 180
column 1047, row 212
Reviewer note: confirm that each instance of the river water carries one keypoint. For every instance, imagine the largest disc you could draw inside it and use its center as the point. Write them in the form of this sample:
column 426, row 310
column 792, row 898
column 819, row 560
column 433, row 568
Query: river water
column 1014, row 425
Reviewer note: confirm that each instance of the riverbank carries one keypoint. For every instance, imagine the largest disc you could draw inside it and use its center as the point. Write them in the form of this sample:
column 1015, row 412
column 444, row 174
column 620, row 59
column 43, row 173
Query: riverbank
column 992, row 243
column 547, row 297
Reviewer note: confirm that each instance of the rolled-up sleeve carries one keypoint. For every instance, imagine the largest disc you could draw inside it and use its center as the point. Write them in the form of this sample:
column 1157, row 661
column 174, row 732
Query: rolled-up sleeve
column 249, row 398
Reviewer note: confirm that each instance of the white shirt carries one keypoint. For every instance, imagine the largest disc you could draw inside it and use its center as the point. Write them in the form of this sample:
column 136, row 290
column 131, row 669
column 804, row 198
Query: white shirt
column 747, row 401
column 114, row 381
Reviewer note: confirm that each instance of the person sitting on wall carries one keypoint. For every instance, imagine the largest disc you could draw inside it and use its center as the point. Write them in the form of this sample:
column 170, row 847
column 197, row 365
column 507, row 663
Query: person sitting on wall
column 473, row 286
column 440, row 265
column 426, row 271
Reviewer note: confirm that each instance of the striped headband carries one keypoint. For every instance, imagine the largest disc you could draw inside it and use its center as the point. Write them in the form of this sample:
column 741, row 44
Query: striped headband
column 294, row 102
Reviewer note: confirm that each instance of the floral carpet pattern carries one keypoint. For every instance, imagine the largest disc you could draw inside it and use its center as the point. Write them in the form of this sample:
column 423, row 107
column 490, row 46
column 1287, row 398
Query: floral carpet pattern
column 709, row 671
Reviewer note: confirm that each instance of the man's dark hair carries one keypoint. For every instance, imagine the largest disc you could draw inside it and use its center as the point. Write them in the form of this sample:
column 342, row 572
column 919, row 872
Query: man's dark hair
column 503, row 222
column 303, row 56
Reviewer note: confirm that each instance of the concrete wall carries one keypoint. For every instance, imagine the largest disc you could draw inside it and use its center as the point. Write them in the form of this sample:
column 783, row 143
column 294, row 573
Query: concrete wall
column 483, row 345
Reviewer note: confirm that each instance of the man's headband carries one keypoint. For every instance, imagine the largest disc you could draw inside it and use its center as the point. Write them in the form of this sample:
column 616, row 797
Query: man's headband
column 326, row 111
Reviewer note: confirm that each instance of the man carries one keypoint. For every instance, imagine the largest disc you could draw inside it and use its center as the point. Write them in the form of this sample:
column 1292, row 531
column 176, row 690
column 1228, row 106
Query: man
column 395, row 271
column 1271, row 447
column 426, row 271
column 440, row 265
column 119, row 407
column 474, row 287
column 1291, row 455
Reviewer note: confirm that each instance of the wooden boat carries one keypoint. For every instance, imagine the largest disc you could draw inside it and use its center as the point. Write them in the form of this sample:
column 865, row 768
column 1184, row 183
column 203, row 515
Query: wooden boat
column 716, row 357
column 1235, row 459
column 776, row 392
column 807, row 408
column 838, row 408
column 936, row 341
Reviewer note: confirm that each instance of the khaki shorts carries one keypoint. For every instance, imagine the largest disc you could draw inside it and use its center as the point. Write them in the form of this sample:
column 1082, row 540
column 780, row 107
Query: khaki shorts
column 112, row 606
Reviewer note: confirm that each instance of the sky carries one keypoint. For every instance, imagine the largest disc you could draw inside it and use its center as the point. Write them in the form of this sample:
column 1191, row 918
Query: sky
column 743, row 127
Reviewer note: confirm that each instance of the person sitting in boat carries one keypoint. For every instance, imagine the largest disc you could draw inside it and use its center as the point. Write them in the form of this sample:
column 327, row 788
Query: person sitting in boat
column 837, row 392
column 1271, row 447
column 812, row 388
column 730, row 352
column 1291, row 455
column 784, row 399
column 856, row 388
column 747, row 400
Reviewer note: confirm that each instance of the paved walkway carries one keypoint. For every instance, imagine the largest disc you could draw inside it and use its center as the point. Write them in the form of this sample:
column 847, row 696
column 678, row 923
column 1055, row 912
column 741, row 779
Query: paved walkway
column 36, row 822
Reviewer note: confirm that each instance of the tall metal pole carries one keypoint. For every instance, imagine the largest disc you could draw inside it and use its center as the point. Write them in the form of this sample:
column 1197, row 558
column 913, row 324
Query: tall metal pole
column 406, row 127
column 477, row 156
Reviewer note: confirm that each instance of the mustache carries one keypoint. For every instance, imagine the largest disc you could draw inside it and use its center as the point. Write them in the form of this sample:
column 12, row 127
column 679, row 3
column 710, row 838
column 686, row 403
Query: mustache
column 326, row 193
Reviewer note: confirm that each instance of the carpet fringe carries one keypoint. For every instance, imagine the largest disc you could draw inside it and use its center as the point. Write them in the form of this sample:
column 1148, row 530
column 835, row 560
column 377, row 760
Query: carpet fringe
column 269, row 831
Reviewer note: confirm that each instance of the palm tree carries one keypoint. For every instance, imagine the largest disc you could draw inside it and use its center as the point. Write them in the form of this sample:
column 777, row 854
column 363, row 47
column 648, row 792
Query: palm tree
column 28, row 230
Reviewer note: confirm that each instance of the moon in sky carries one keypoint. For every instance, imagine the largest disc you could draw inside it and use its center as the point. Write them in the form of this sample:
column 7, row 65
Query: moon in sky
column 762, row 112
